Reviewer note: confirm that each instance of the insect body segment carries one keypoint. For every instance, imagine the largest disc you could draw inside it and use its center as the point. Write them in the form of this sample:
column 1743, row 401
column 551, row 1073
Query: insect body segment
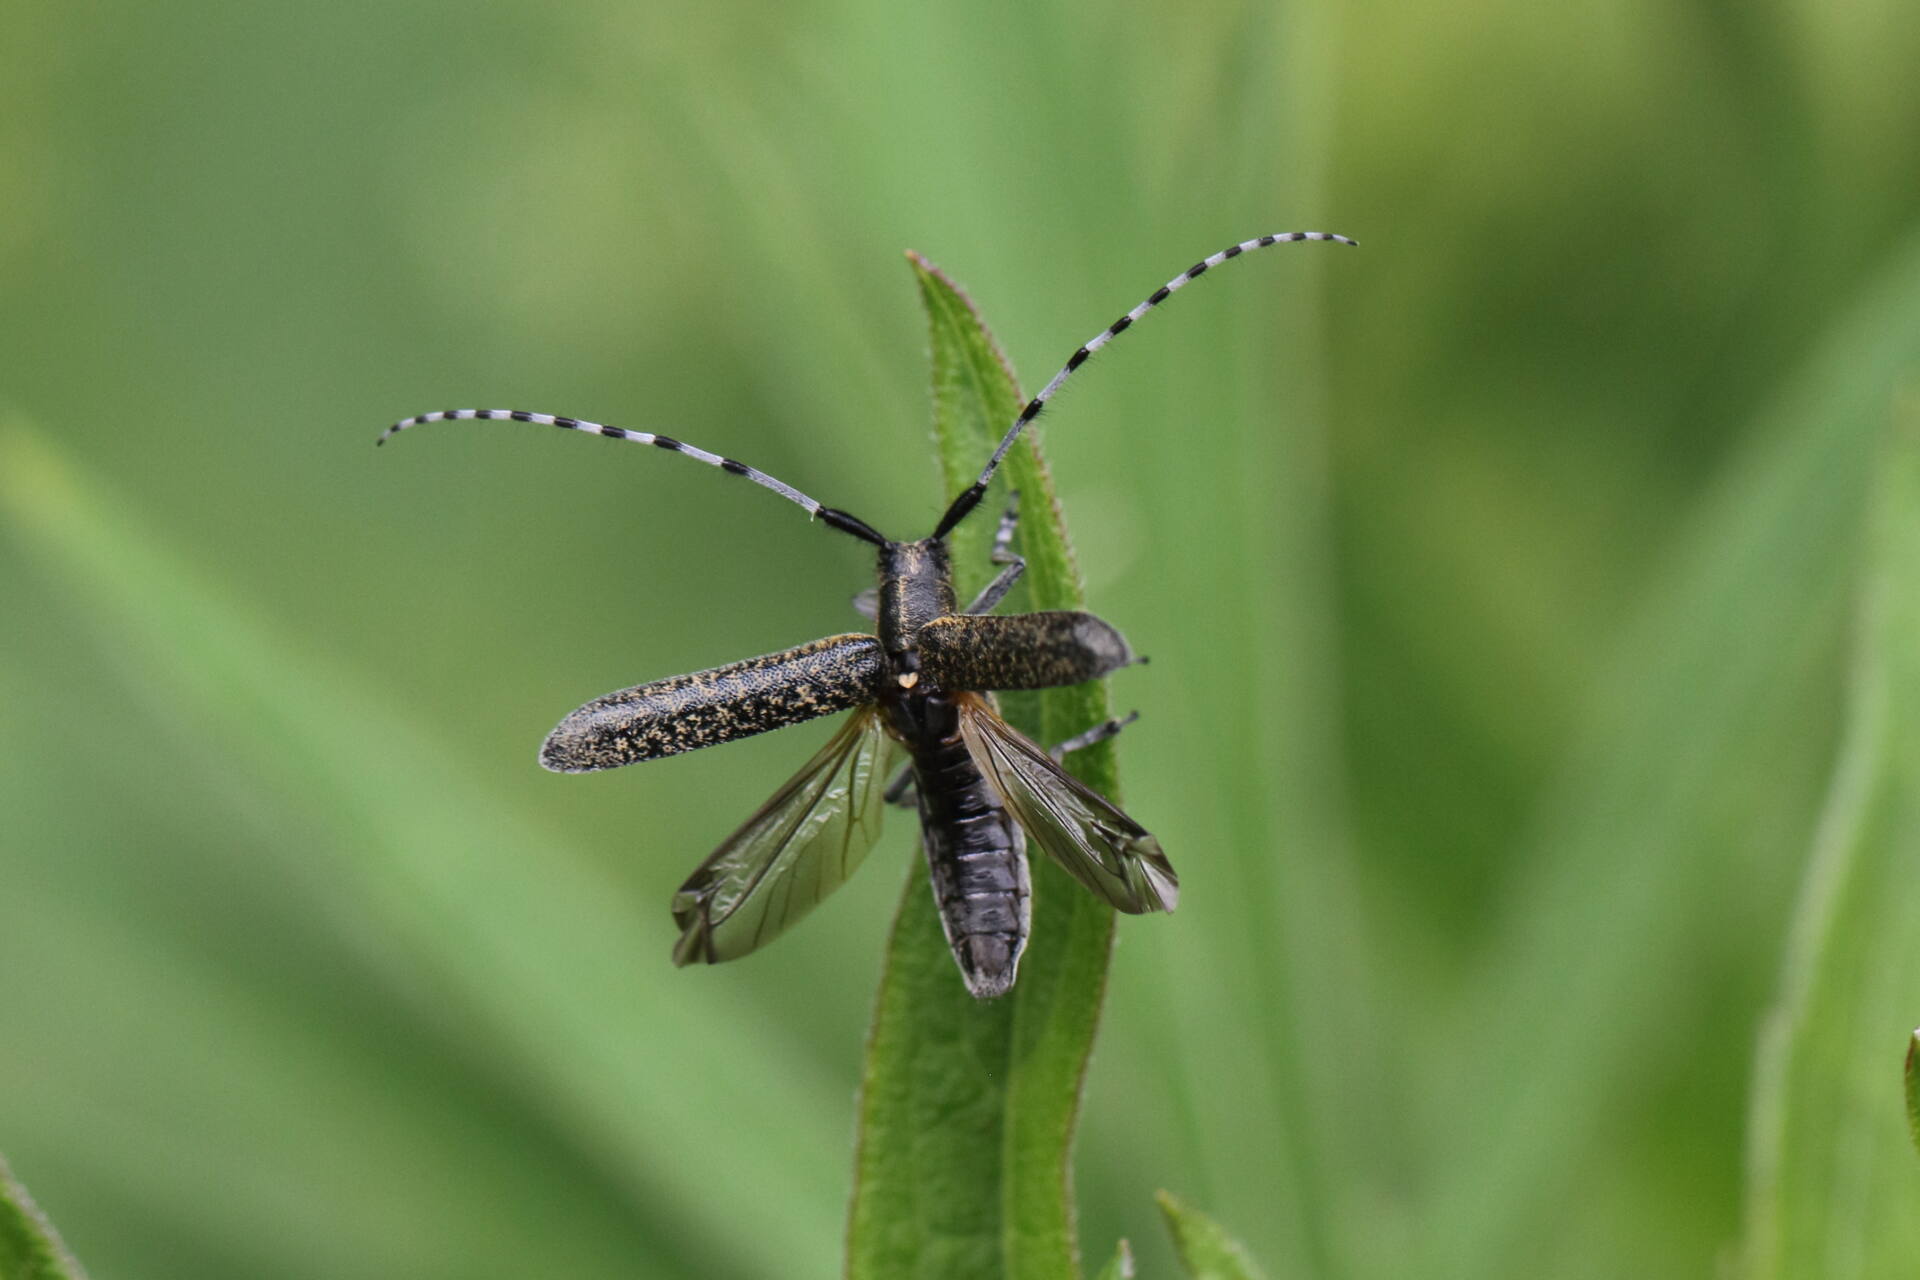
column 976, row 858
column 916, row 586
column 922, row 686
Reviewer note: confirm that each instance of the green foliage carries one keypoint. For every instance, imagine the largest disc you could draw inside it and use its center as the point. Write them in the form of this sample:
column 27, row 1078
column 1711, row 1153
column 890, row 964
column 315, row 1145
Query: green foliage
column 1834, row 1184
column 1662, row 808
column 1912, row 1074
column 1498, row 579
column 455, row 913
column 968, row 1109
column 1120, row 1266
column 30, row 1249
column 1206, row 1251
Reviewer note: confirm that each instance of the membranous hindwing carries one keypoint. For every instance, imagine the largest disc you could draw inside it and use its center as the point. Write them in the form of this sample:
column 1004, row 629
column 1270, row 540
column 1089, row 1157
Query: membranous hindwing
column 801, row 846
column 1080, row 829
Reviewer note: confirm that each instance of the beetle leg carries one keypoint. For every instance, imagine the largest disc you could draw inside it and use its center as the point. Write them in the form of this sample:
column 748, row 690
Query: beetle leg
column 1003, row 536
column 1099, row 733
column 996, row 591
column 899, row 792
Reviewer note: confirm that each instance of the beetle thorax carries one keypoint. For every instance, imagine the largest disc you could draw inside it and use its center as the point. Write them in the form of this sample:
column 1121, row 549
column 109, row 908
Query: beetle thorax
column 916, row 586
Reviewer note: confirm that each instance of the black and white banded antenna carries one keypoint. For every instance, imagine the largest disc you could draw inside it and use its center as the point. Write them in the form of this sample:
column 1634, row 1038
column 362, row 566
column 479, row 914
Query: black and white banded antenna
column 970, row 497
column 830, row 516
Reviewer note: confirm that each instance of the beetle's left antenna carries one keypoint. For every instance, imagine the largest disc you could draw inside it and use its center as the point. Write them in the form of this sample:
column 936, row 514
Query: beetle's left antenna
column 970, row 497
column 832, row 517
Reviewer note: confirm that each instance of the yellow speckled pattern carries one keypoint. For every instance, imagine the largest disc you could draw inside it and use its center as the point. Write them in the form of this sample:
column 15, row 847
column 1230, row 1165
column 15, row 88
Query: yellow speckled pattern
column 1019, row 651
column 684, row 713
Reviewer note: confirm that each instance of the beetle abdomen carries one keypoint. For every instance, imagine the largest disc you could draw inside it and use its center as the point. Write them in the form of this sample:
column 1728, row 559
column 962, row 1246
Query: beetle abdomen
column 977, row 861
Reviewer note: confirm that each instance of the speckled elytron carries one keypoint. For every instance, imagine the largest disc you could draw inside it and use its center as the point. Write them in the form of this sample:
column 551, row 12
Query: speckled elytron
column 923, row 684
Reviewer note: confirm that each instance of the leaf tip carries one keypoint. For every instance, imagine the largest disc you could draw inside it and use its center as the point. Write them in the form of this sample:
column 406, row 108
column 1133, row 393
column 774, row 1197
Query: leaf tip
column 1120, row 1266
column 927, row 269
column 1205, row 1249
column 28, row 1238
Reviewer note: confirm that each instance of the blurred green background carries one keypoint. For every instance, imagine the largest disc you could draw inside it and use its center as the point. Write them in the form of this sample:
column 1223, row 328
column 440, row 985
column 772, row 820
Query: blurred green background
column 1497, row 579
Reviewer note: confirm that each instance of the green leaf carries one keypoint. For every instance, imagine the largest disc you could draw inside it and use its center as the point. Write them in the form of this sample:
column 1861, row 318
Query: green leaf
column 1913, row 1089
column 30, row 1249
column 1834, row 1189
column 1206, row 1250
column 1120, row 1266
column 1671, row 805
column 967, row 1109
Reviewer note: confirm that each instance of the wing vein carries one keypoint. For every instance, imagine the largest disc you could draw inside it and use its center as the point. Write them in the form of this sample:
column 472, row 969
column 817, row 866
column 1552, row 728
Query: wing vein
column 1083, row 831
column 795, row 850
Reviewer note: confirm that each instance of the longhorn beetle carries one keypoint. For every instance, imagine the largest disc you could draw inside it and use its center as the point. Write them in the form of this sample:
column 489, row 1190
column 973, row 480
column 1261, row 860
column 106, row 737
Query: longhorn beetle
column 923, row 683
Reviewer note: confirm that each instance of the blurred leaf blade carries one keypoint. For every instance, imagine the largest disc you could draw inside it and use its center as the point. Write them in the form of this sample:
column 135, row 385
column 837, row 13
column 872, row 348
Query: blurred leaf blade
column 30, row 1249
column 1833, row 1183
column 426, row 871
column 1657, row 815
column 934, row 1194
column 1912, row 1074
column 1207, row 1251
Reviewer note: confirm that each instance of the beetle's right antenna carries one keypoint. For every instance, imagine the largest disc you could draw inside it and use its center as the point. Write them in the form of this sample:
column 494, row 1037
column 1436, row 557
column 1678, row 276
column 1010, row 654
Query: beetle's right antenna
column 831, row 517
column 970, row 497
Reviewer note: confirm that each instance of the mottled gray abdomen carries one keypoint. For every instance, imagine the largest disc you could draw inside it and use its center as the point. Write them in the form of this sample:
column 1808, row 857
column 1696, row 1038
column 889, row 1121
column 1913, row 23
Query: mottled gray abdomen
column 977, row 861
column 683, row 713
